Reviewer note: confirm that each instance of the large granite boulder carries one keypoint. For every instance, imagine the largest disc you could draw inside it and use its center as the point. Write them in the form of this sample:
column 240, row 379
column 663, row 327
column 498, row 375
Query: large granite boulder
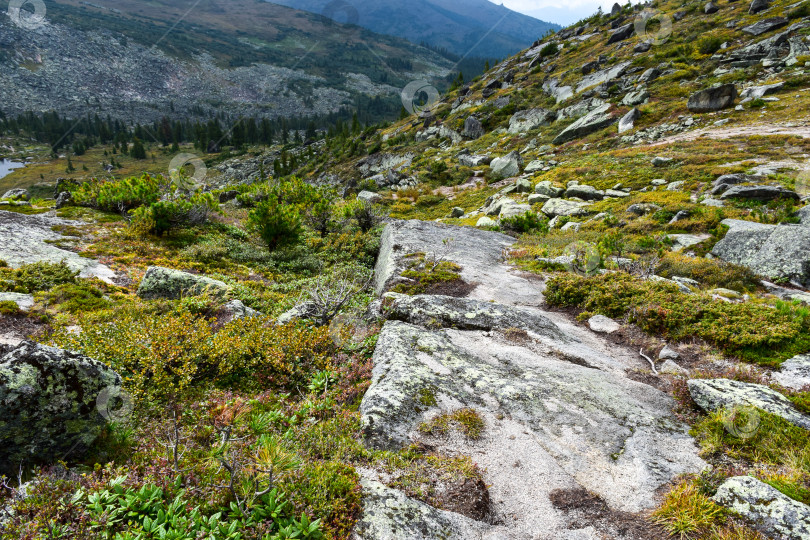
column 592, row 122
column 160, row 282
column 523, row 121
column 766, row 25
column 54, row 404
column 712, row 99
column 562, row 207
column 714, row 394
column 506, row 166
column 794, row 373
column 585, row 192
column 769, row 510
column 759, row 193
column 773, row 251
column 622, row 33
column 473, row 129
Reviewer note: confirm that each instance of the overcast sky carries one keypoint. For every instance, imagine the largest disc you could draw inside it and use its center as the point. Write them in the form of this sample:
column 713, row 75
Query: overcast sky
column 562, row 12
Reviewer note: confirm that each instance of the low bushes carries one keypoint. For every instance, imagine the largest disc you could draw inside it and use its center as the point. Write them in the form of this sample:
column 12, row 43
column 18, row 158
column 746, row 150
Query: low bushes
column 709, row 272
column 751, row 331
column 35, row 277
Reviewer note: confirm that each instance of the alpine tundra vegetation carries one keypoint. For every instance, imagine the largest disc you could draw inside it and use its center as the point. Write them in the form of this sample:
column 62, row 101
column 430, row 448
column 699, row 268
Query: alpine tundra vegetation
column 568, row 298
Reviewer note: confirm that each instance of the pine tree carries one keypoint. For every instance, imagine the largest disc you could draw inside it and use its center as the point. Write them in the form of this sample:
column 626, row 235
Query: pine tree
column 138, row 151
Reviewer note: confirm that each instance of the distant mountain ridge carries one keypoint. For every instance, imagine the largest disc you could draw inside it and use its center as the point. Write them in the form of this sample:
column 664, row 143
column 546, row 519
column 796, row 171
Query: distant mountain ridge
column 463, row 27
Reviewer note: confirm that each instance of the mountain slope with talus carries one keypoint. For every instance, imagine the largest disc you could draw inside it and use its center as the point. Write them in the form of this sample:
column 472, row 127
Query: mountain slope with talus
column 139, row 61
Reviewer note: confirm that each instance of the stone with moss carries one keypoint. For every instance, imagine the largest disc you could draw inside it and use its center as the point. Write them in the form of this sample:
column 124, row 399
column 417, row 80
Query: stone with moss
column 54, row 404
column 769, row 510
column 714, row 394
column 162, row 282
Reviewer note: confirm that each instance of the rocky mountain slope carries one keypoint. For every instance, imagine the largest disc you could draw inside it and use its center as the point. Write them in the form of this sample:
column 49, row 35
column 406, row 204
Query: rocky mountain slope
column 464, row 27
column 571, row 299
column 139, row 62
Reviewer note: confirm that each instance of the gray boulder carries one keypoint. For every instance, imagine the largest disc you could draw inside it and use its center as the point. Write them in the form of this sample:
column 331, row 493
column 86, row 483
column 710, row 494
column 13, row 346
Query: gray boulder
column 773, row 251
column 235, row 310
column 622, row 33
column 55, row 404
column 794, row 373
column 592, row 122
column 722, row 183
column 712, row 99
column 758, row 5
column 473, row 128
column 627, row 121
column 369, row 196
column 710, row 8
column 523, row 185
column 755, row 92
column 160, row 282
column 506, row 166
column 713, row 394
column 659, row 161
column 641, row 209
column 585, row 192
column 17, row 193
column 547, row 188
column 523, row 121
column 804, row 215
column 467, row 314
column 472, row 161
column 759, row 193
column 304, row 310
column 636, row 98
column 766, row 25
column 561, row 207
column 770, row 511
column 603, row 325
column 649, row 75
column 456, row 212
column 514, row 210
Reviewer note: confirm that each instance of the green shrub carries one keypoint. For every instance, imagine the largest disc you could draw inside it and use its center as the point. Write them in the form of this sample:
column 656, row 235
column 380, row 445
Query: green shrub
column 709, row 272
column 752, row 331
column 35, row 277
column 550, row 49
column 527, row 222
column 121, row 195
column 77, row 297
column 279, row 225
column 709, row 45
column 7, row 307
column 162, row 216
column 800, row 11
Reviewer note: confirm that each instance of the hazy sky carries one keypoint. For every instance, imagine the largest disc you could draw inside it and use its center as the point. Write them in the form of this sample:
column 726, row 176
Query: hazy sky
column 561, row 12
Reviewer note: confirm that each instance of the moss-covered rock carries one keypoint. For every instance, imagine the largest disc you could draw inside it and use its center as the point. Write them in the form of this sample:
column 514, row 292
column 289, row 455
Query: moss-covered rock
column 55, row 404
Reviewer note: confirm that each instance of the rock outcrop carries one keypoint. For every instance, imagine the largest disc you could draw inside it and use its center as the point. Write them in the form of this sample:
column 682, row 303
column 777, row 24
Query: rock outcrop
column 773, row 251
column 713, row 99
column 54, row 402
column 558, row 409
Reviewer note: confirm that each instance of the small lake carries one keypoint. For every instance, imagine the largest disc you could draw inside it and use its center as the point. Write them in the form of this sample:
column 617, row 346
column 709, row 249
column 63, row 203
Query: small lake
column 6, row 166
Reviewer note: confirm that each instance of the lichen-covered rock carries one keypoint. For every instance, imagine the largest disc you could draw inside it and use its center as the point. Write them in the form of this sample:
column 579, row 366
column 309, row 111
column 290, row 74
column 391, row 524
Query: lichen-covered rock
column 466, row 314
column 794, row 373
column 769, row 510
column 582, row 424
column 523, row 121
column 162, row 282
column 506, row 166
column 50, row 404
column 714, row 394
column 389, row 514
column 759, row 193
column 593, row 121
column 562, row 207
column 773, row 251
